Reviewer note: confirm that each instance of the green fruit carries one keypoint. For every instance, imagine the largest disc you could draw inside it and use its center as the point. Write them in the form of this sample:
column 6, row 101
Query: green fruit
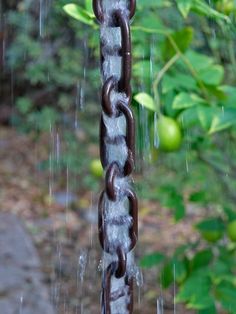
column 225, row 6
column 212, row 235
column 169, row 133
column 231, row 230
column 96, row 168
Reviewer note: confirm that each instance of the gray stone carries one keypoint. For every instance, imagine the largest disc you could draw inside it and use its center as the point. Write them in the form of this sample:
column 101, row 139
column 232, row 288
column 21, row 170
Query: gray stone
column 21, row 283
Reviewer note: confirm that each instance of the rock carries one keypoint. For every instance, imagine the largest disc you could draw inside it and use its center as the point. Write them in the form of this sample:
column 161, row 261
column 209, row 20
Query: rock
column 21, row 284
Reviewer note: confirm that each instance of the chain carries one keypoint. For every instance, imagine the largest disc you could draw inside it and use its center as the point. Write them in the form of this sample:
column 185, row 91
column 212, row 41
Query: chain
column 118, row 208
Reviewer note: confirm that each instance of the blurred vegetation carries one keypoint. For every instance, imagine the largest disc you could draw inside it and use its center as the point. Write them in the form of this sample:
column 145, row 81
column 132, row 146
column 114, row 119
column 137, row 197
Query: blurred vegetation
column 184, row 68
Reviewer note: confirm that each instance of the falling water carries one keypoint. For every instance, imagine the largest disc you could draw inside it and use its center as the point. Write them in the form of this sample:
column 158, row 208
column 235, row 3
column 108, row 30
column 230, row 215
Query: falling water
column 156, row 137
column 144, row 127
column 12, row 87
column 160, row 306
column 152, row 57
column 81, row 84
column 79, row 101
column 21, row 305
column 116, row 211
column 44, row 6
column 146, row 133
column 138, row 275
column 2, row 28
column 51, row 156
column 58, row 148
column 81, row 268
column 82, row 263
column 41, row 17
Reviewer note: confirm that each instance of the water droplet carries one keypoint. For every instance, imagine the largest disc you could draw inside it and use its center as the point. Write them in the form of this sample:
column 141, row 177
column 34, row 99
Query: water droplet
column 160, row 306
column 82, row 263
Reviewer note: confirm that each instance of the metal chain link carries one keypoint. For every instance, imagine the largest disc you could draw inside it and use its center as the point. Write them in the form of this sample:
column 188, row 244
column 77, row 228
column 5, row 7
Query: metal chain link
column 120, row 166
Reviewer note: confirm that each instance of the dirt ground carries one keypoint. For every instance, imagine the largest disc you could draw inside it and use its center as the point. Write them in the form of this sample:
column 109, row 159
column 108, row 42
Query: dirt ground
column 66, row 235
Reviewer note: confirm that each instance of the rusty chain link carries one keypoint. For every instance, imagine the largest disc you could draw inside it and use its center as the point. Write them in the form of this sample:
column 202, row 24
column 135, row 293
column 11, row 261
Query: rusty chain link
column 98, row 11
column 118, row 190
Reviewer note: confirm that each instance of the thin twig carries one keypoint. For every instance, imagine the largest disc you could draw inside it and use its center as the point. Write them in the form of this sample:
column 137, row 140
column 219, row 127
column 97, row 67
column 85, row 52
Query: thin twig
column 159, row 77
column 188, row 64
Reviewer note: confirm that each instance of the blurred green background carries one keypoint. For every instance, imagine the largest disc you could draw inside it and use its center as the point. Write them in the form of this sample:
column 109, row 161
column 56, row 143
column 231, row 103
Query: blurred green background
column 184, row 68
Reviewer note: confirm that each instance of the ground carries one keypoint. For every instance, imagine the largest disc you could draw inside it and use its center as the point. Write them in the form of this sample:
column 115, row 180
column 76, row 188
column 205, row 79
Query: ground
column 65, row 231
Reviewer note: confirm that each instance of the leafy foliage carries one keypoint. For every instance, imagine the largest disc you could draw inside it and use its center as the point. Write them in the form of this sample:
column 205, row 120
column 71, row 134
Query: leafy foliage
column 184, row 67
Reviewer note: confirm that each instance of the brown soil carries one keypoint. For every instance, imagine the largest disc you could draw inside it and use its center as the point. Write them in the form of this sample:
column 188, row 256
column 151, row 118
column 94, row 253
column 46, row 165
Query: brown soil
column 65, row 235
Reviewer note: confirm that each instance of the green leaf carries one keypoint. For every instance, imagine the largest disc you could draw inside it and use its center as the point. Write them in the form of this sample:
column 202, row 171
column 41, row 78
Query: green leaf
column 197, row 279
column 179, row 210
column 203, row 8
column 198, row 197
column 151, row 260
column 151, row 23
column 178, row 81
column 201, row 301
column 189, row 118
column 227, row 257
column 200, row 7
column 167, row 101
column 144, row 4
column 185, row 100
column 211, row 119
column 180, row 270
column 231, row 214
column 152, row 30
column 176, row 202
column 198, row 61
column 89, row 8
column 79, row 13
column 223, row 120
column 184, row 6
column 196, row 291
column 226, row 294
column 208, row 72
column 24, row 105
column 146, row 100
column 167, row 274
column 210, row 310
column 216, row 92
column 44, row 119
column 205, row 116
column 182, row 39
column 211, row 224
column 180, row 250
column 201, row 259
column 230, row 95
column 219, row 271
column 213, row 75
